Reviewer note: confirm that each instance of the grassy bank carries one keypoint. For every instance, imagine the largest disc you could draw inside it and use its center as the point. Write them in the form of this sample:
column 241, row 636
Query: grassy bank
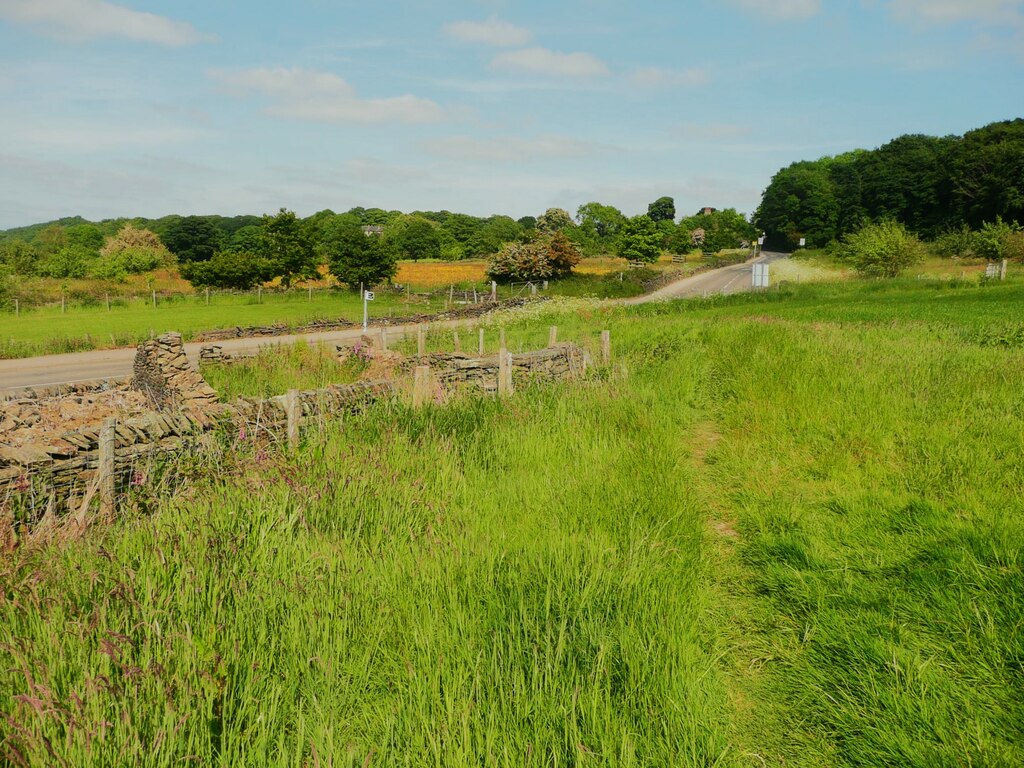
column 784, row 529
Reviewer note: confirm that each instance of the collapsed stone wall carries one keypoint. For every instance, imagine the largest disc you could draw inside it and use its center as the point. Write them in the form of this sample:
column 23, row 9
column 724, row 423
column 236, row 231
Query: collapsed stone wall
column 64, row 467
column 187, row 416
column 164, row 374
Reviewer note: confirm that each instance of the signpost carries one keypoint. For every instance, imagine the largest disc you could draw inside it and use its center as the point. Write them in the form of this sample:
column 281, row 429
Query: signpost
column 803, row 241
column 367, row 298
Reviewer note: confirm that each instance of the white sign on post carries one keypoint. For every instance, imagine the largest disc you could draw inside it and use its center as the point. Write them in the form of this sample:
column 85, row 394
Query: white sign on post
column 367, row 296
column 803, row 242
column 760, row 275
column 760, row 240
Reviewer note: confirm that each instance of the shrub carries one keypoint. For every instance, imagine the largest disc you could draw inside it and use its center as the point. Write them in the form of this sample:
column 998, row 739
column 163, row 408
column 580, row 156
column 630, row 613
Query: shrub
column 956, row 243
column 544, row 257
column 130, row 261
column 229, row 269
column 69, row 261
column 992, row 239
column 1014, row 247
column 882, row 250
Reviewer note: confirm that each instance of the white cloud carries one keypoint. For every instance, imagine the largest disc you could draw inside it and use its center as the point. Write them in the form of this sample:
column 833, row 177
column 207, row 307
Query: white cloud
column 508, row 148
column 305, row 94
column 542, row 61
column 954, row 11
column 780, row 9
column 656, row 77
column 491, row 32
column 90, row 19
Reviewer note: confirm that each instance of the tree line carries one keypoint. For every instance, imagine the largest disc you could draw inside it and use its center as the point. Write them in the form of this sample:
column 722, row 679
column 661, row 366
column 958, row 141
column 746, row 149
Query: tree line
column 930, row 185
column 362, row 245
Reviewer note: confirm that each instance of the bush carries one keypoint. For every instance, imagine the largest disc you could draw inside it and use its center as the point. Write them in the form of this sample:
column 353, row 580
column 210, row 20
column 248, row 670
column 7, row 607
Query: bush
column 69, row 261
column 546, row 256
column 956, row 243
column 993, row 237
column 1014, row 247
column 130, row 261
column 229, row 269
column 882, row 250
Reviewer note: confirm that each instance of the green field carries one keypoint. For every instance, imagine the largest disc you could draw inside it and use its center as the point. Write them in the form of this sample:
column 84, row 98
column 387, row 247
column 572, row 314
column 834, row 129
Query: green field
column 47, row 330
column 783, row 529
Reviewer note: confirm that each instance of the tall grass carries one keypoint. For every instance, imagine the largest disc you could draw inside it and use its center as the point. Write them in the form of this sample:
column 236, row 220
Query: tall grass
column 780, row 531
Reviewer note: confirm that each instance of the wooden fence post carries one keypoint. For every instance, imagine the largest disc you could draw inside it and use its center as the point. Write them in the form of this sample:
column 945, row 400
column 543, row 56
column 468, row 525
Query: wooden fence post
column 504, row 373
column 207, row 297
column 552, row 335
column 606, row 347
column 154, row 298
column 383, row 338
column 107, row 296
column 501, row 339
column 293, row 410
column 421, row 341
column 1002, row 270
column 494, row 291
column 17, row 308
column 106, row 467
column 458, row 344
column 481, row 350
column 421, row 386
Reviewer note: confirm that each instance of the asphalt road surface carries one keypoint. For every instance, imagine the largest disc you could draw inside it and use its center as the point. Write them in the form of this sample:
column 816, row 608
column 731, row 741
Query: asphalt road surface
column 732, row 279
column 97, row 365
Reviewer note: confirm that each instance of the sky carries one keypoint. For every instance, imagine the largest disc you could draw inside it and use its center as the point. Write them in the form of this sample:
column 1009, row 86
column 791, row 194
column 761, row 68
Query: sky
column 150, row 107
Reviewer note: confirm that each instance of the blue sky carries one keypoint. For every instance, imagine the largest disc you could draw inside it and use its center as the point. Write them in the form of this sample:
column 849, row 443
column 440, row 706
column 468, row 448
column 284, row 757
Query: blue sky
column 142, row 107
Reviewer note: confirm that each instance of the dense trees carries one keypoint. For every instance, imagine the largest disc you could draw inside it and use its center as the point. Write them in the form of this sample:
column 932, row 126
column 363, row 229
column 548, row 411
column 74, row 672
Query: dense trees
column 413, row 237
column 287, row 243
column 722, row 229
column 662, row 209
column 929, row 184
column 598, row 227
column 193, row 238
column 639, row 240
column 242, row 251
column 554, row 220
column 354, row 256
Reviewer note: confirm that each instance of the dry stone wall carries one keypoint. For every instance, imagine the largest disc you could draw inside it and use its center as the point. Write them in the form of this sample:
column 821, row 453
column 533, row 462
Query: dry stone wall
column 31, row 474
column 187, row 414
column 558, row 362
column 164, row 374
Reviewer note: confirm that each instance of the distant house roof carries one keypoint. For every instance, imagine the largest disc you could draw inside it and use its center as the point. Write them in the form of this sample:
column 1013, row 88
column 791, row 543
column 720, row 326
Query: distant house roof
column 373, row 229
column 707, row 211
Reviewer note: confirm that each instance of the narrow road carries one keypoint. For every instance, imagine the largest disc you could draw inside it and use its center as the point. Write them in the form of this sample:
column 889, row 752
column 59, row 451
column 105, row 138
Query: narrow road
column 731, row 279
column 100, row 364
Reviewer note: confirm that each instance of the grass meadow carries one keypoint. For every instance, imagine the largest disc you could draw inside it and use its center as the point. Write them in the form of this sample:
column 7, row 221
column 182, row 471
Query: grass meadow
column 782, row 529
